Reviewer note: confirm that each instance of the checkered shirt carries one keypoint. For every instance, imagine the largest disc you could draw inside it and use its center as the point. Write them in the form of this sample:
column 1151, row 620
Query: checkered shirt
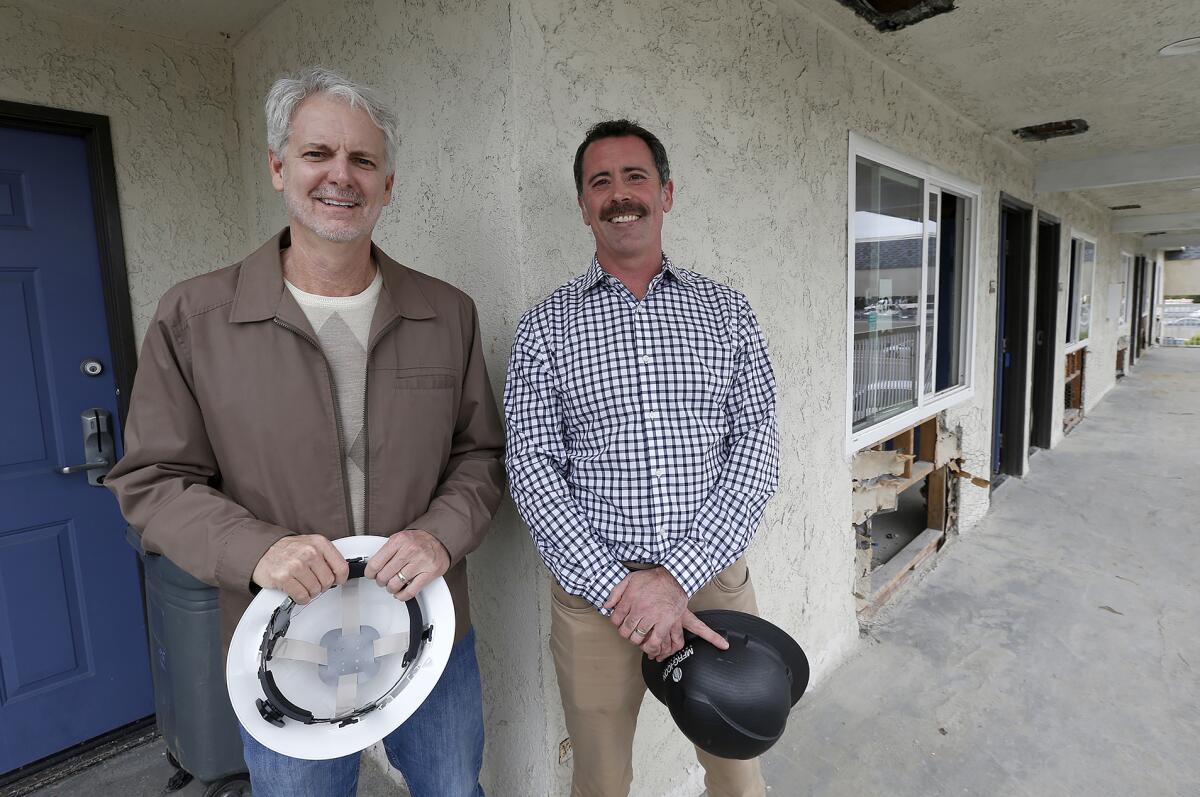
column 640, row 431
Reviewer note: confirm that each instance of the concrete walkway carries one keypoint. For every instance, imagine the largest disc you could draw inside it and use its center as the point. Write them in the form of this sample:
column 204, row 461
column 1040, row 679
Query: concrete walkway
column 1055, row 649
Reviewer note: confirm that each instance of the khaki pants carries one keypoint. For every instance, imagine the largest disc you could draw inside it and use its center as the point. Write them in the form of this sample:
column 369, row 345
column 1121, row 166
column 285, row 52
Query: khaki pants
column 600, row 680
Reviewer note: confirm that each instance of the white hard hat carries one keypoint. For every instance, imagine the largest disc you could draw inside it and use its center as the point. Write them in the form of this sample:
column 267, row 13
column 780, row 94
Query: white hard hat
column 334, row 676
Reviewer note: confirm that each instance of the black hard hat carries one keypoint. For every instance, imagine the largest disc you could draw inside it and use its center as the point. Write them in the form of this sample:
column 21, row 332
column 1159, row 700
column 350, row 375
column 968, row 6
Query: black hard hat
column 731, row 703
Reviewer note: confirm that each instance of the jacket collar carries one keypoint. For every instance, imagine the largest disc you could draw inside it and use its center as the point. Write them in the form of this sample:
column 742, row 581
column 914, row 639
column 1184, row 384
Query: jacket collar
column 261, row 294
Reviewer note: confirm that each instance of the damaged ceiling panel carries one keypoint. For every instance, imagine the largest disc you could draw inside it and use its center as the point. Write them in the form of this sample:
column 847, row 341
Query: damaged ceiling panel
column 889, row 15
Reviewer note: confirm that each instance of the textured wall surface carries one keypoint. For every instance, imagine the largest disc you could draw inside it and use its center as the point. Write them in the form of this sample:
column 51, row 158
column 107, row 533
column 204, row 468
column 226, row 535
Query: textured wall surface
column 174, row 141
column 444, row 65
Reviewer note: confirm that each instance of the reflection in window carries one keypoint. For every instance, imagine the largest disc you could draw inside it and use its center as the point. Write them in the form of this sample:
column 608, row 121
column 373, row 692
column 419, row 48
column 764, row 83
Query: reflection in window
column 1127, row 280
column 1079, row 308
column 888, row 237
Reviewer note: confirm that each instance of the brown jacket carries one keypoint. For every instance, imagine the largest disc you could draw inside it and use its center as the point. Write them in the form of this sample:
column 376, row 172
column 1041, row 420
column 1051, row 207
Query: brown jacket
column 232, row 440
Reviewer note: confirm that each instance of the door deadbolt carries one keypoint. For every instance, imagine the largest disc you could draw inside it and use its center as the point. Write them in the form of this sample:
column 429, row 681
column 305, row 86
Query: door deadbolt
column 91, row 367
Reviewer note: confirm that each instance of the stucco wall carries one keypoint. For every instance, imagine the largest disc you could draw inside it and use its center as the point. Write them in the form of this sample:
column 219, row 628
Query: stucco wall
column 170, row 106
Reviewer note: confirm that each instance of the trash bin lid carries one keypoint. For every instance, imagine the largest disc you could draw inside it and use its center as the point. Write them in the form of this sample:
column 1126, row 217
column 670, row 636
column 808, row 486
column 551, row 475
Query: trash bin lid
column 334, row 676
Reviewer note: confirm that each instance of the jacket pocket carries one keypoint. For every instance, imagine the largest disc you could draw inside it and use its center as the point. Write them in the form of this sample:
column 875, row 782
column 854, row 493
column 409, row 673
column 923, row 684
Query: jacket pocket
column 733, row 578
column 430, row 378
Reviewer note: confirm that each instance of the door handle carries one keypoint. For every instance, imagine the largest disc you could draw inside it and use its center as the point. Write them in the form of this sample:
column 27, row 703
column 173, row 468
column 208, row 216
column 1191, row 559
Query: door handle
column 99, row 449
column 67, row 471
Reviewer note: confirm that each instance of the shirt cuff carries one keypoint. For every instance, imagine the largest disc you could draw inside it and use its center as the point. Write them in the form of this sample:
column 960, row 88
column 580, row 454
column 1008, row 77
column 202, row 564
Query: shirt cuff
column 687, row 561
column 605, row 582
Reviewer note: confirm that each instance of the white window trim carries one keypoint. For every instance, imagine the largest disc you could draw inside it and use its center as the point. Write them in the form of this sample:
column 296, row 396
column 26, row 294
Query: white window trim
column 1077, row 344
column 926, row 406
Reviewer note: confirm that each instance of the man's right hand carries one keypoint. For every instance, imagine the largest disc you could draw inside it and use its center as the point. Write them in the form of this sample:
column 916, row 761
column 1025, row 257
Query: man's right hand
column 302, row 565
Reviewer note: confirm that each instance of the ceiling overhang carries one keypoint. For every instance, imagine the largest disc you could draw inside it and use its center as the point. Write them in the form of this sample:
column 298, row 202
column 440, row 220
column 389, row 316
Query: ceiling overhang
column 1125, row 168
column 1165, row 222
column 1179, row 240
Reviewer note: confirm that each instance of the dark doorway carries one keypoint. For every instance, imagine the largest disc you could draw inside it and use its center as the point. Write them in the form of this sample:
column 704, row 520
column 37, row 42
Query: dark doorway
column 1012, row 322
column 1137, row 323
column 1045, row 322
column 1135, row 308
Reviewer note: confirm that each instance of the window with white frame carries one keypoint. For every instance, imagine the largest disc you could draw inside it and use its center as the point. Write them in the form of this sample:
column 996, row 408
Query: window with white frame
column 1079, row 305
column 1127, row 280
column 911, row 285
column 1149, row 272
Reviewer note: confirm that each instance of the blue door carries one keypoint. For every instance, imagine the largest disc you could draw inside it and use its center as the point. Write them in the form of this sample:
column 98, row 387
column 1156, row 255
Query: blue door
column 73, row 654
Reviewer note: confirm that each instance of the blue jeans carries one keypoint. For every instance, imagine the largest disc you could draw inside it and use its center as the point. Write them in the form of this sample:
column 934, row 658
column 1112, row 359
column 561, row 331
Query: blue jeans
column 439, row 749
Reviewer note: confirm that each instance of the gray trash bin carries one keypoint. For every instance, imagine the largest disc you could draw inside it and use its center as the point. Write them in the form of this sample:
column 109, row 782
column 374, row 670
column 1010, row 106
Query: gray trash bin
column 195, row 717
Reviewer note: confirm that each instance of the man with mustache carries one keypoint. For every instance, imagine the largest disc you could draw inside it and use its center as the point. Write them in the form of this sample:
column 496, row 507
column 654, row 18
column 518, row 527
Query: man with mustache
column 642, row 450
column 315, row 390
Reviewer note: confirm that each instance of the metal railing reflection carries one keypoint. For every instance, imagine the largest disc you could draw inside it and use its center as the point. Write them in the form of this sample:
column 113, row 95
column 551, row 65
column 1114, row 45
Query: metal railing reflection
column 885, row 367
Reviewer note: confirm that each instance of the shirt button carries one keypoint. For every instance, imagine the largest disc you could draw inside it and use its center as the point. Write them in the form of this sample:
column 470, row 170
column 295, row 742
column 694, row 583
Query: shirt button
column 660, row 472
column 646, row 358
column 652, row 415
column 662, row 530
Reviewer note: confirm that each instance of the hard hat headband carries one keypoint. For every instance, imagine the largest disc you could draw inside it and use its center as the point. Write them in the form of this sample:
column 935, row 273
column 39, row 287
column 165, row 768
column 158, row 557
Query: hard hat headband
column 276, row 707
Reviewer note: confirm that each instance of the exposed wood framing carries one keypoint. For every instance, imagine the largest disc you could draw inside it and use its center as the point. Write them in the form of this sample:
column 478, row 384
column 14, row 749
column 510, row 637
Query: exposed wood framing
column 936, row 496
column 927, row 452
column 922, row 453
column 956, row 468
column 889, row 468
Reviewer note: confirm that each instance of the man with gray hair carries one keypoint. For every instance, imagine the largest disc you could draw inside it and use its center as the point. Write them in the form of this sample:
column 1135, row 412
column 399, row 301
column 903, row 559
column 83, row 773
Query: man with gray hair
column 315, row 390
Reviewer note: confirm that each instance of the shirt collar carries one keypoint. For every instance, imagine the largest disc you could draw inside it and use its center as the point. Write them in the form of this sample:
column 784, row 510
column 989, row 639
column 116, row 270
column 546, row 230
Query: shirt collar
column 595, row 273
column 681, row 274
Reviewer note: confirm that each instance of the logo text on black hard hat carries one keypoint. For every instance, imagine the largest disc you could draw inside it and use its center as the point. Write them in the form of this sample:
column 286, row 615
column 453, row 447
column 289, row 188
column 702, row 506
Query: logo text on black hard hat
column 676, row 660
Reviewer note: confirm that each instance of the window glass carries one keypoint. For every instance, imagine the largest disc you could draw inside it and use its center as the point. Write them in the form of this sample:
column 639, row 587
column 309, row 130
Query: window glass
column 888, row 243
column 1086, row 274
column 951, row 326
column 931, row 290
column 1126, row 272
column 1079, row 308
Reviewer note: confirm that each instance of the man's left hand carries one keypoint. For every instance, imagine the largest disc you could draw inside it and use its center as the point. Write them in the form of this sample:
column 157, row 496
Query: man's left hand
column 408, row 561
column 650, row 610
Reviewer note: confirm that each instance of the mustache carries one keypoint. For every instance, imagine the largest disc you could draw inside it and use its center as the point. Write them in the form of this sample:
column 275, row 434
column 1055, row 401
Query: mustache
column 339, row 196
column 624, row 208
